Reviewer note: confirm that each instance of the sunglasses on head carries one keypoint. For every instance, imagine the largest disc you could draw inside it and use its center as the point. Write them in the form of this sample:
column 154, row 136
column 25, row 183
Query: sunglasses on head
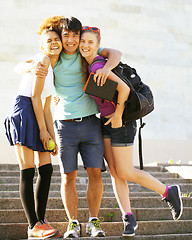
column 93, row 29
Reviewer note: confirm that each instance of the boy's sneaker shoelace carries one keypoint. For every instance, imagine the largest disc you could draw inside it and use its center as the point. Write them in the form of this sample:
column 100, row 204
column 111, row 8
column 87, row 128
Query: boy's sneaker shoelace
column 174, row 202
column 73, row 230
column 41, row 231
column 130, row 225
column 93, row 228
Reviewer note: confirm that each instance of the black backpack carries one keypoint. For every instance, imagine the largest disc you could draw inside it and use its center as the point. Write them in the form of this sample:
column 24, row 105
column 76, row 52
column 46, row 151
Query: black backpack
column 140, row 101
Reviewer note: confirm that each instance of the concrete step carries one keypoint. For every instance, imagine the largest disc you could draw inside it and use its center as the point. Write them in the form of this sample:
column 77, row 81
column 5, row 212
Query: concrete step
column 146, row 237
column 83, row 173
column 107, row 187
column 153, row 215
column 81, row 193
column 187, row 236
column 107, row 215
column 107, row 202
column 84, row 180
column 15, row 167
column 19, row 230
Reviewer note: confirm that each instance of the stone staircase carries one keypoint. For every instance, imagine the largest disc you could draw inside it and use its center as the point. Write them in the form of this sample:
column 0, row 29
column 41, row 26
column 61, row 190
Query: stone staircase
column 153, row 215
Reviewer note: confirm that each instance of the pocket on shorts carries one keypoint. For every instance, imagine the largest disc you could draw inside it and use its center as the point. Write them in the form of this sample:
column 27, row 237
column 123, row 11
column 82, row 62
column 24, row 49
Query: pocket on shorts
column 117, row 128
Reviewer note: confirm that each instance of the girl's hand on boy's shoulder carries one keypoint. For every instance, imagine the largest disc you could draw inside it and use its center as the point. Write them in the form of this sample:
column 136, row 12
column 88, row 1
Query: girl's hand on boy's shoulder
column 39, row 69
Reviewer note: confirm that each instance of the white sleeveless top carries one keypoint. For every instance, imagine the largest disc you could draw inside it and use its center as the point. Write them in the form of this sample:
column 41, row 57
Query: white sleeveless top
column 26, row 85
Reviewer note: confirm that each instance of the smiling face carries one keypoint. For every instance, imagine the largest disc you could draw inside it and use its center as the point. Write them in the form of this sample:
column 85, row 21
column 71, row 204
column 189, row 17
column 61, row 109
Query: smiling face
column 51, row 44
column 89, row 45
column 70, row 41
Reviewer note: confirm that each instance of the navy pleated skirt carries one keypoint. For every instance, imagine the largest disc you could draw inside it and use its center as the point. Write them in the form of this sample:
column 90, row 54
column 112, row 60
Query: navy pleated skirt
column 21, row 125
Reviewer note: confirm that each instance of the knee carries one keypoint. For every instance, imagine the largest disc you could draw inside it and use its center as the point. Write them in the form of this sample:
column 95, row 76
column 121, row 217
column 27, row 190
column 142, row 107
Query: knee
column 128, row 174
column 45, row 170
column 27, row 174
column 94, row 174
column 26, row 165
column 68, row 178
column 113, row 172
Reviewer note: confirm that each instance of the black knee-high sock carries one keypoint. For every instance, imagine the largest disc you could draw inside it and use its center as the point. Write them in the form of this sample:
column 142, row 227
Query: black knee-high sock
column 42, row 189
column 27, row 195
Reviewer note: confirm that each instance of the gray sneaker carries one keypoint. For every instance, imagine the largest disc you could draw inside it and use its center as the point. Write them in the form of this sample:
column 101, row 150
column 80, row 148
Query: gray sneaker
column 130, row 225
column 93, row 228
column 73, row 230
column 174, row 202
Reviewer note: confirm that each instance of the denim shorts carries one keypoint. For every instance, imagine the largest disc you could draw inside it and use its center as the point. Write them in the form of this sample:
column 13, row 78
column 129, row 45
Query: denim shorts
column 82, row 137
column 120, row 137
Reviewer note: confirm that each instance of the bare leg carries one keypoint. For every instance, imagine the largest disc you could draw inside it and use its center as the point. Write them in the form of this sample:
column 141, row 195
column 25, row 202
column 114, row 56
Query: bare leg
column 69, row 194
column 25, row 157
column 120, row 186
column 123, row 157
column 94, row 191
column 43, row 158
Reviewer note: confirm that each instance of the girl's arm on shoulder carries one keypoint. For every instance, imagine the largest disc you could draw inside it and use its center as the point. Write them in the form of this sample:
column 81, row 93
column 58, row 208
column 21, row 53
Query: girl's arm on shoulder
column 38, row 85
column 39, row 81
column 114, row 57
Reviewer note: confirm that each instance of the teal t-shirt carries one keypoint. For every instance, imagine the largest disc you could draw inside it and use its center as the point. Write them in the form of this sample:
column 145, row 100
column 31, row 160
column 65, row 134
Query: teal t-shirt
column 74, row 102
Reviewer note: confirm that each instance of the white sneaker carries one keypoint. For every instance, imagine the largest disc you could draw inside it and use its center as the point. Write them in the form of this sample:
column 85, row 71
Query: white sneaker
column 93, row 228
column 73, row 230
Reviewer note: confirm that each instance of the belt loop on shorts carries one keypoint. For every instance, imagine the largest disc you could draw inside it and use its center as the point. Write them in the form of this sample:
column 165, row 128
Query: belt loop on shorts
column 78, row 120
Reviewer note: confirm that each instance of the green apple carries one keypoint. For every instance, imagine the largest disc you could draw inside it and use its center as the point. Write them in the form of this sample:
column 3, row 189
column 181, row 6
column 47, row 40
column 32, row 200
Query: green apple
column 51, row 144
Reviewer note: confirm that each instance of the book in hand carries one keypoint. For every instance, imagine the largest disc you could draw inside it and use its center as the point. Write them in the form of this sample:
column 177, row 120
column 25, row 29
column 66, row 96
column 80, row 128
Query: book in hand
column 105, row 92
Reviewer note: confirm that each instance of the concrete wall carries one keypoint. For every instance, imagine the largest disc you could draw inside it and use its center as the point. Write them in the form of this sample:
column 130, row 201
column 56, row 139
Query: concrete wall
column 154, row 36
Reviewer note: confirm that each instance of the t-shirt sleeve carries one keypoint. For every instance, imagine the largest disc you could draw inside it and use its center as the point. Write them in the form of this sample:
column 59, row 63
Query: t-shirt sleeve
column 100, row 50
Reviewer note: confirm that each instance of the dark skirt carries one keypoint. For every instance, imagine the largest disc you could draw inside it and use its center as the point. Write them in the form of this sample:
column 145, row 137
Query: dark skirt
column 21, row 125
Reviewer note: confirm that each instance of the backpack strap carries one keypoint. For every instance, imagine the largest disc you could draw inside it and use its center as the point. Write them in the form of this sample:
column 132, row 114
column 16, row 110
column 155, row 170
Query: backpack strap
column 140, row 144
column 97, row 60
